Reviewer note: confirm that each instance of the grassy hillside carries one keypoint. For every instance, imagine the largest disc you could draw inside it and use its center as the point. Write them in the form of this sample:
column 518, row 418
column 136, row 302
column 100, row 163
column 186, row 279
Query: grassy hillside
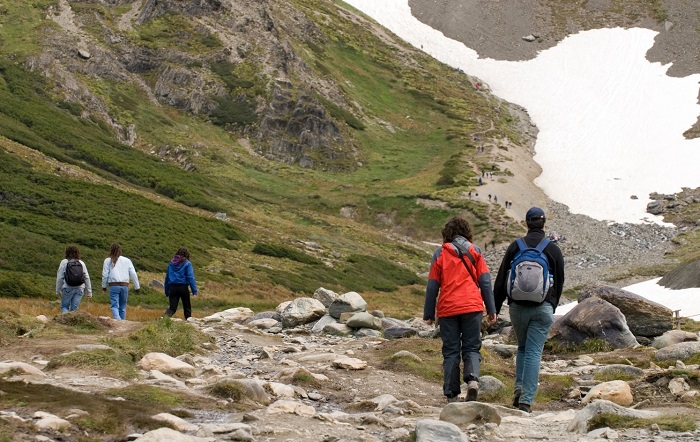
column 66, row 179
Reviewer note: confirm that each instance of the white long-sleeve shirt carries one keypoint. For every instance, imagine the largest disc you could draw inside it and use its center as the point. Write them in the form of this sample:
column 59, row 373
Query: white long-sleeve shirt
column 61, row 274
column 121, row 272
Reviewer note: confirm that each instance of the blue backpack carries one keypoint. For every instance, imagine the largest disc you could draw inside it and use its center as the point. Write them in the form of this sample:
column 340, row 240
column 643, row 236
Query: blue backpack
column 529, row 278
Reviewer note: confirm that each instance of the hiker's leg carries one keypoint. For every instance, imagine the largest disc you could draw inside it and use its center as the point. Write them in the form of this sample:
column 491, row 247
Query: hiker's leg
column 114, row 300
column 123, row 297
column 541, row 320
column 520, row 321
column 470, row 329
column 449, row 332
column 75, row 299
column 173, row 300
column 66, row 295
column 186, row 303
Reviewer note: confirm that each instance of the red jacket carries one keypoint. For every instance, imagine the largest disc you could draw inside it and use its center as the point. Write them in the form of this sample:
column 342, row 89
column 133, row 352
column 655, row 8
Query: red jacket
column 460, row 290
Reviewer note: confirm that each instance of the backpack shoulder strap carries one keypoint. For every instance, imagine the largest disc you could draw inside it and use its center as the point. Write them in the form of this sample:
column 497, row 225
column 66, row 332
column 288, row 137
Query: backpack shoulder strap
column 521, row 244
column 471, row 259
column 544, row 243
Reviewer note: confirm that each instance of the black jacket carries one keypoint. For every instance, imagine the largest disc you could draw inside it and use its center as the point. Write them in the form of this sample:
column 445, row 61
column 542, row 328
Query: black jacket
column 556, row 268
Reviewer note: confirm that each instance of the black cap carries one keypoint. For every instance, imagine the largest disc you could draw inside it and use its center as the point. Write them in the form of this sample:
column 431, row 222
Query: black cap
column 534, row 213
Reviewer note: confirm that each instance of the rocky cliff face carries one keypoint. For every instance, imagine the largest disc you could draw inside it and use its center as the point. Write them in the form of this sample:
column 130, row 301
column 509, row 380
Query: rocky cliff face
column 234, row 63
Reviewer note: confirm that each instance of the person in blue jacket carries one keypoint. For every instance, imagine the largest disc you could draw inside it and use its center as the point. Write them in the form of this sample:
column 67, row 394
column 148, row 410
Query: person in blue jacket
column 179, row 278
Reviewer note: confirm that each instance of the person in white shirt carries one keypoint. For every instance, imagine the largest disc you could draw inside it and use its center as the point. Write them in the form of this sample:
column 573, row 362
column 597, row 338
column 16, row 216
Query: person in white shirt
column 116, row 272
column 71, row 292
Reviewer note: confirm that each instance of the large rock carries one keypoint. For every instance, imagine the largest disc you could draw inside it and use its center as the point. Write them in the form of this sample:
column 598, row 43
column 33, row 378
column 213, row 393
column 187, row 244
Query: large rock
column 20, row 368
column 364, row 320
column 465, row 413
column 431, row 430
column 302, row 311
column 170, row 435
column 579, row 423
column 322, row 323
column 672, row 337
column 685, row 276
column 618, row 392
column 644, row 318
column 347, row 302
column 238, row 314
column 593, row 318
column 166, row 364
column 681, row 351
column 399, row 332
column 325, row 296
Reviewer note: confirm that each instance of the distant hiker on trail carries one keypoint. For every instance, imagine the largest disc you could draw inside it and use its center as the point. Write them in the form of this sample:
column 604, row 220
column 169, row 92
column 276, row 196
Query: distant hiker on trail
column 489, row 197
column 179, row 278
column 72, row 280
column 116, row 271
column 461, row 278
column 481, row 181
column 531, row 319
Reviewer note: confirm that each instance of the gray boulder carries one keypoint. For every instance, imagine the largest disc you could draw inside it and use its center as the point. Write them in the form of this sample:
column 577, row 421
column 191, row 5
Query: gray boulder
column 322, row 323
column 593, row 318
column 399, row 332
column 325, row 296
column 579, row 424
column 364, row 320
column 681, row 351
column 302, row 311
column 673, row 337
column 347, row 302
column 628, row 370
column 465, row 413
column 431, row 430
column 644, row 317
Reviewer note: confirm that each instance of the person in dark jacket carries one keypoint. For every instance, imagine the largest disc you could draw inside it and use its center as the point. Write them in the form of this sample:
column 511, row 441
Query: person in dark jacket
column 458, row 272
column 531, row 321
column 179, row 278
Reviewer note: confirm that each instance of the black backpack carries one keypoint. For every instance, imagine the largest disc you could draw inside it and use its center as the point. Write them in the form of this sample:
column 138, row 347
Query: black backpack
column 75, row 276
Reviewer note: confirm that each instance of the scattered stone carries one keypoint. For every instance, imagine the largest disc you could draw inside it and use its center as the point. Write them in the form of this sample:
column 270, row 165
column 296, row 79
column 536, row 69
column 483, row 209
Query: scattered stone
column 681, row 351
column 431, row 430
column 347, row 302
column 618, row 392
column 166, row 364
column 405, row 354
column 579, row 423
column 170, row 435
column 349, row 363
column 673, row 337
column 177, row 423
column 465, row 413
column 302, row 311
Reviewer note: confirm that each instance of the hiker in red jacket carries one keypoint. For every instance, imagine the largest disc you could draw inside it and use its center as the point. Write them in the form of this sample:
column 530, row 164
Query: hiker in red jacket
column 458, row 272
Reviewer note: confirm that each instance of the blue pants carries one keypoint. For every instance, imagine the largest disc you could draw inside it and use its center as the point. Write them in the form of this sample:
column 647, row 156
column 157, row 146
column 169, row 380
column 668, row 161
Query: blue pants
column 70, row 298
column 118, row 294
column 461, row 341
column 531, row 326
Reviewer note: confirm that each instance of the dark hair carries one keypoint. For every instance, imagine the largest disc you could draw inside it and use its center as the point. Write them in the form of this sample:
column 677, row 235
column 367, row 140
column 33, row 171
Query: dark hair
column 183, row 253
column 72, row 252
column 115, row 251
column 537, row 223
column 456, row 226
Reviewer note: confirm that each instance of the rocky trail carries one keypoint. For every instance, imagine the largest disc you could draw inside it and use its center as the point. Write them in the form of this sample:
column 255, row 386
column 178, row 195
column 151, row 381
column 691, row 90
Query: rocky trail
column 305, row 383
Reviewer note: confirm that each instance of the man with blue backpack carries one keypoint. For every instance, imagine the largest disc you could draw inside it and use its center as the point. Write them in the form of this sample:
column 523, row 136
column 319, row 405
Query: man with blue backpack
column 531, row 278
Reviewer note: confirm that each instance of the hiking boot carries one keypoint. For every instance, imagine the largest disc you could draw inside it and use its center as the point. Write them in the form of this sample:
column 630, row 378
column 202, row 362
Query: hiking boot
column 453, row 399
column 516, row 398
column 525, row 408
column 472, row 390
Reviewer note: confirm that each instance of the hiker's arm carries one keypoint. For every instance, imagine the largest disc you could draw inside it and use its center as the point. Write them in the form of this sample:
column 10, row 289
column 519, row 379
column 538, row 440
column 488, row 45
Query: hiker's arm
column 432, row 289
